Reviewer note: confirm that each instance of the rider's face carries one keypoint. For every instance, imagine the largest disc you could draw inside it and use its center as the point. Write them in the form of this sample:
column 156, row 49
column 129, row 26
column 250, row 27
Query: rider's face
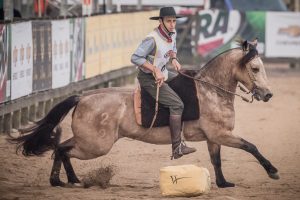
column 170, row 23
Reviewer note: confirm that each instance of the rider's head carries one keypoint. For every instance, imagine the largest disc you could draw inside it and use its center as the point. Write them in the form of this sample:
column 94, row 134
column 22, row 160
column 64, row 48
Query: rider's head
column 168, row 23
column 167, row 19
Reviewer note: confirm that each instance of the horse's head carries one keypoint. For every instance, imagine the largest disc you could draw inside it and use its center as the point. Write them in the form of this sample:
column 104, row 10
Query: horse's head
column 252, row 72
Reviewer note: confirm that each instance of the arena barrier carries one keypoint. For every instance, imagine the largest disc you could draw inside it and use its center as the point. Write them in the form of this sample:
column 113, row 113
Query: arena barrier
column 44, row 61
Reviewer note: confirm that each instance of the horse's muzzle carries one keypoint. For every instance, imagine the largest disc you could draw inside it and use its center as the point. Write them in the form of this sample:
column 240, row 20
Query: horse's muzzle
column 262, row 95
column 267, row 97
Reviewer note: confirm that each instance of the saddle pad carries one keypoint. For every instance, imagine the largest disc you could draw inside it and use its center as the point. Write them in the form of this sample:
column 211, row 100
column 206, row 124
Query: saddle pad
column 185, row 89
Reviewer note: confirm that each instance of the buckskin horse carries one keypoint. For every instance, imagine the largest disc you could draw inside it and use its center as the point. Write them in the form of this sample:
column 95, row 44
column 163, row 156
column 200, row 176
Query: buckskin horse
column 100, row 118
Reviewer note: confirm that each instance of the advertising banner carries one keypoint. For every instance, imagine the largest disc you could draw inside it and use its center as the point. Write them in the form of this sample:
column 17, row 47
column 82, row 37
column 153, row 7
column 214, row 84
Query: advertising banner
column 283, row 34
column 216, row 31
column 4, row 72
column 21, row 59
column 105, row 36
column 42, row 55
column 134, row 31
column 116, row 50
column 128, row 47
column 61, row 69
column 77, row 43
column 92, row 46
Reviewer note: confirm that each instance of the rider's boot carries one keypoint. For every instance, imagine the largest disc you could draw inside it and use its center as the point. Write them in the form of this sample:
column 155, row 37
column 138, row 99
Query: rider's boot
column 179, row 148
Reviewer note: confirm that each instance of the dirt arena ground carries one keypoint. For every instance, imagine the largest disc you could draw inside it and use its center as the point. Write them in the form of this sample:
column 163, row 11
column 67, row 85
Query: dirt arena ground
column 274, row 127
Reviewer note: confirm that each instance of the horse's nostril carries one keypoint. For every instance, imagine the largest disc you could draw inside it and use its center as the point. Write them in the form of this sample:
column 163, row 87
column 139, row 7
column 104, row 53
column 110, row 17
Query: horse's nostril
column 269, row 95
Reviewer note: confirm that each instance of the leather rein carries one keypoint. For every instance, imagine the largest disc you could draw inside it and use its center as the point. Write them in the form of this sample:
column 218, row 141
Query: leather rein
column 225, row 90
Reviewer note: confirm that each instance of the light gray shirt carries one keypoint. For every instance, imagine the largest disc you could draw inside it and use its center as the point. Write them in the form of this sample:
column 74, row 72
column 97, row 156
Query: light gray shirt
column 147, row 47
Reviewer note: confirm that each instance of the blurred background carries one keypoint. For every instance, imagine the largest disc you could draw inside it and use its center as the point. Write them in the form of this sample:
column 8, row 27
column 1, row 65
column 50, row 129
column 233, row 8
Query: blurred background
column 50, row 49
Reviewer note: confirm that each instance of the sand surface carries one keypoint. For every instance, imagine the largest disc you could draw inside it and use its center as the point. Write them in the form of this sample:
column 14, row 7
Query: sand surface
column 274, row 127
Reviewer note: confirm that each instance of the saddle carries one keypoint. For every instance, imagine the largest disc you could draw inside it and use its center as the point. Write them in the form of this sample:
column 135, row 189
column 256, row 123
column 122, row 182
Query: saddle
column 144, row 103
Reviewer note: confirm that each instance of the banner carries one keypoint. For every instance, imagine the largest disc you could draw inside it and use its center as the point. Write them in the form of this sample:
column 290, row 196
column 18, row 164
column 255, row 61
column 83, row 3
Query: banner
column 283, row 34
column 216, row 31
column 61, row 69
column 92, row 46
column 42, row 55
column 77, row 43
column 105, row 38
column 21, row 59
column 4, row 72
column 116, row 50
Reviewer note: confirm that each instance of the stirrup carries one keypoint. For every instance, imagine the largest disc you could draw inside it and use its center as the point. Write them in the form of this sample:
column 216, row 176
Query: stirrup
column 177, row 153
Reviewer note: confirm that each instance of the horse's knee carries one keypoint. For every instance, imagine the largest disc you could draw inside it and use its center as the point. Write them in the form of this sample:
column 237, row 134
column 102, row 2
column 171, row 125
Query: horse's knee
column 247, row 146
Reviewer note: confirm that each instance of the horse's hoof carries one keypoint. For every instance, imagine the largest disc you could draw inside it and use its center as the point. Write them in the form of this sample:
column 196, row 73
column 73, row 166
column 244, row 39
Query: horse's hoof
column 57, row 183
column 74, row 185
column 274, row 176
column 225, row 184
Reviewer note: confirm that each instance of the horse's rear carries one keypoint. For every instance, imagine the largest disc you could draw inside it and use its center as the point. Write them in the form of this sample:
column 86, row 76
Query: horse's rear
column 96, row 122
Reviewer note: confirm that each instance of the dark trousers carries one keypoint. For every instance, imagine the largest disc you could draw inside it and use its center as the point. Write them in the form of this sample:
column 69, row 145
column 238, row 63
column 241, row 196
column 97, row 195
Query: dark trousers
column 167, row 96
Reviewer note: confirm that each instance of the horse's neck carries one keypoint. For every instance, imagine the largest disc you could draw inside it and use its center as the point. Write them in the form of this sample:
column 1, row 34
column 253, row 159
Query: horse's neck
column 220, row 72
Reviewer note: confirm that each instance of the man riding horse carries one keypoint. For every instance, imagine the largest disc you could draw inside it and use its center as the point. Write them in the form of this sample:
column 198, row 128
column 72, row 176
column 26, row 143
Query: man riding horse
column 151, row 57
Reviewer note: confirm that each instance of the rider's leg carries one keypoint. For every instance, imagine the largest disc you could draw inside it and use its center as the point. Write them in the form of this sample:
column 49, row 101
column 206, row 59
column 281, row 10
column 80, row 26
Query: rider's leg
column 168, row 98
column 178, row 147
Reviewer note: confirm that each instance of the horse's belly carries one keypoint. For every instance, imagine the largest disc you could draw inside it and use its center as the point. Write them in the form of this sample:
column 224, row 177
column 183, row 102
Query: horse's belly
column 193, row 132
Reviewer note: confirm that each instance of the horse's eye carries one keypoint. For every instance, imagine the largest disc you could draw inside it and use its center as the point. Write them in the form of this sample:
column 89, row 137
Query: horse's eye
column 255, row 70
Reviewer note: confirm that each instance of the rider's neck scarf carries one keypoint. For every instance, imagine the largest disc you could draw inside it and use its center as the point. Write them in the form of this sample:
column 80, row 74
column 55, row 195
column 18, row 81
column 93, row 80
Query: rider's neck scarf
column 164, row 34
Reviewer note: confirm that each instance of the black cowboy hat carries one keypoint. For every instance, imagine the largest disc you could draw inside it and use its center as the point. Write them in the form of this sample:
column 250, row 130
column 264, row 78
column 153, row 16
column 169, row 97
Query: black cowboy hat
column 166, row 12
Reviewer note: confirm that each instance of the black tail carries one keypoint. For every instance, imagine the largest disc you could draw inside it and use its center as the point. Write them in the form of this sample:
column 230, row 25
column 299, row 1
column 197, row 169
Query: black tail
column 41, row 137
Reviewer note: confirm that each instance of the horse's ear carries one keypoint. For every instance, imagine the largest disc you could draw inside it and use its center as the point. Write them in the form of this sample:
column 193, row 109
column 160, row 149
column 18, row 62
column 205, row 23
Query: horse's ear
column 253, row 44
column 245, row 45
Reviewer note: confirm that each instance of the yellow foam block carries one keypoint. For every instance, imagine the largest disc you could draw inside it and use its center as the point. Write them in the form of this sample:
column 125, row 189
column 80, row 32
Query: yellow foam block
column 184, row 180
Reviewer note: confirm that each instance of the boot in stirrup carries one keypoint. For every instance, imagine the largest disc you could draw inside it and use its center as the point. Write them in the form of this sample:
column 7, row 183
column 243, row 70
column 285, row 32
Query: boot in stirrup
column 179, row 148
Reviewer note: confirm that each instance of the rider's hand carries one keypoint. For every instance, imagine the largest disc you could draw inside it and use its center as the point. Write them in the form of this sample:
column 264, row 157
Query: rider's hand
column 159, row 77
column 176, row 64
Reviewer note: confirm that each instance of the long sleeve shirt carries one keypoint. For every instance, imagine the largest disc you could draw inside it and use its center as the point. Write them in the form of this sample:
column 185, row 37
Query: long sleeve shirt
column 147, row 47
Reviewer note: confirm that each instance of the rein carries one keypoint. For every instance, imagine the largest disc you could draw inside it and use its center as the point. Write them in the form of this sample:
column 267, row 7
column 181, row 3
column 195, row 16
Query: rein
column 222, row 89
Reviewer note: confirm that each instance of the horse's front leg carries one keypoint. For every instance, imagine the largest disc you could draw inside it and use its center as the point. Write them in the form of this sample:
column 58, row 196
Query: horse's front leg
column 230, row 140
column 251, row 148
column 215, row 157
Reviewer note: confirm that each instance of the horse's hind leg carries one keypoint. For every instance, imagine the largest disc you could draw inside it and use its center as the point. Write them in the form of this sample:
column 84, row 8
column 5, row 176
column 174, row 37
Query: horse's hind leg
column 63, row 149
column 61, row 156
column 215, row 157
column 54, row 177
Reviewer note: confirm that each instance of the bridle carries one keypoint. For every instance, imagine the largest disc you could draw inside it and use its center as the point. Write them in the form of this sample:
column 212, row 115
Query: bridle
column 221, row 88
